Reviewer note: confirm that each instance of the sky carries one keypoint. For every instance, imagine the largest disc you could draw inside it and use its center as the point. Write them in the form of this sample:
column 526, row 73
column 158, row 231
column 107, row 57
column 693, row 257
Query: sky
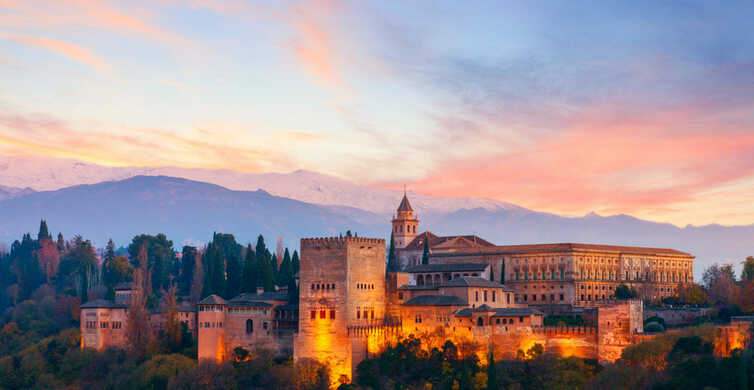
column 638, row 107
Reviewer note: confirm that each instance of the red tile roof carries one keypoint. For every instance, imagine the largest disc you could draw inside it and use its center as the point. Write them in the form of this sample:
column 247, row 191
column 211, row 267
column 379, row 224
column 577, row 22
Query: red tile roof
column 566, row 247
column 455, row 242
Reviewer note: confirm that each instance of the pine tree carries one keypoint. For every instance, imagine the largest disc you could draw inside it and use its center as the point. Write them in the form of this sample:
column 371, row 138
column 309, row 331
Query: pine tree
column 43, row 232
column 392, row 261
column 425, row 255
column 250, row 271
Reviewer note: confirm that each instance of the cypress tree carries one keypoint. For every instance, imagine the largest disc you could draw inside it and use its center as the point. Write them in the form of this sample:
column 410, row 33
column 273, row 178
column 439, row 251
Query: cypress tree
column 425, row 255
column 186, row 275
column 295, row 263
column 268, row 277
column 392, row 265
column 235, row 275
column 492, row 381
column 250, row 271
column 285, row 274
column 61, row 242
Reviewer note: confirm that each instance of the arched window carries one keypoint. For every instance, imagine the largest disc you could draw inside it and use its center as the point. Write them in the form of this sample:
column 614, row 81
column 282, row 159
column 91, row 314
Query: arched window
column 249, row 326
column 420, row 280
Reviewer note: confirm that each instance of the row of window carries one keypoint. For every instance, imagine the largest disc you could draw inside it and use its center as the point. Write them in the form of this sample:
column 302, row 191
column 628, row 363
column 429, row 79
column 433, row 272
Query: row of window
column 370, row 312
column 429, row 280
column 323, row 286
column 104, row 325
column 210, row 308
column 525, row 297
column 250, row 326
column 553, row 275
column 409, row 228
column 364, row 286
column 322, row 314
column 494, row 296
column 211, row 324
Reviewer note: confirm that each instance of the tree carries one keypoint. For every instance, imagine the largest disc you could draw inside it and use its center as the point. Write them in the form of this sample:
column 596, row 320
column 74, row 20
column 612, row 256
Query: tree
column 285, row 273
column 267, row 275
column 77, row 265
column 295, row 263
column 43, row 232
column 624, row 292
column 214, row 278
column 425, row 255
column 160, row 257
column 250, row 271
column 138, row 329
column 61, row 242
column 692, row 294
column 492, row 383
column 392, row 260
column 197, row 282
column 747, row 274
column 720, row 281
column 186, row 276
column 26, row 264
column 172, row 324
column 234, row 271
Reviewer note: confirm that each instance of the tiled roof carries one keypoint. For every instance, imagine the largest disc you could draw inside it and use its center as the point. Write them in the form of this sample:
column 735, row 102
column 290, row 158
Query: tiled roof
column 123, row 286
column 450, row 267
column 499, row 312
column 469, row 281
column 405, row 205
column 415, row 287
column 447, row 242
column 213, row 300
column 435, row 300
column 103, row 304
column 564, row 247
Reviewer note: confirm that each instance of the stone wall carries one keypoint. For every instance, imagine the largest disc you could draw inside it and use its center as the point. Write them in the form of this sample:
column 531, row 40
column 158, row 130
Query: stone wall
column 676, row 316
column 102, row 328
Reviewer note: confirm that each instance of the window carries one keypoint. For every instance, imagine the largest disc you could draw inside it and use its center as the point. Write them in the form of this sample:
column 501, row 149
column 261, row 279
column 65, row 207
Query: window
column 520, row 319
column 497, row 321
column 314, row 314
column 249, row 326
column 418, row 319
column 264, row 325
column 480, row 321
column 332, row 314
column 552, row 297
column 485, row 295
column 321, row 314
column 508, row 298
column 476, row 295
column 371, row 314
column 544, row 297
column 493, row 295
column 358, row 314
column 365, row 314
column 524, row 297
column 103, row 325
column 534, row 297
column 561, row 297
column 400, row 295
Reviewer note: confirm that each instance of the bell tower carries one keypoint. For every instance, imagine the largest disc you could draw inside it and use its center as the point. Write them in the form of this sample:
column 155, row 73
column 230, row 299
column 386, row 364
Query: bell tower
column 404, row 223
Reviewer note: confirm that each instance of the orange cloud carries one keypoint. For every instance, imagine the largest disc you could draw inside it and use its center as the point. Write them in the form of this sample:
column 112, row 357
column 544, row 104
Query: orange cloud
column 67, row 49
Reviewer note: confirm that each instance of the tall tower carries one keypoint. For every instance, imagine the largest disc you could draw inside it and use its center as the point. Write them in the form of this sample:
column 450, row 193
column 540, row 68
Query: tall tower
column 342, row 285
column 404, row 224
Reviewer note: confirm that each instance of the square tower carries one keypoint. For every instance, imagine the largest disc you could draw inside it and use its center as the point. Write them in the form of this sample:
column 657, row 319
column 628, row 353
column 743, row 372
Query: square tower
column 342, row 284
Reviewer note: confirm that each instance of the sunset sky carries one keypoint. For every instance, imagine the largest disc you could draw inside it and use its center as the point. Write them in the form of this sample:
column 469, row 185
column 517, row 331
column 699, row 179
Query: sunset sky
column 643, row 108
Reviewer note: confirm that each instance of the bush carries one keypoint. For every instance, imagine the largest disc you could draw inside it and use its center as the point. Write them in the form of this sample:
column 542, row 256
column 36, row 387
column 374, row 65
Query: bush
column 654, row 327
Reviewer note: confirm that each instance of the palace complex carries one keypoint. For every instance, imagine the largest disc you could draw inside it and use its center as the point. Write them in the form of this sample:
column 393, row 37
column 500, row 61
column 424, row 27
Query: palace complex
column 468, row 290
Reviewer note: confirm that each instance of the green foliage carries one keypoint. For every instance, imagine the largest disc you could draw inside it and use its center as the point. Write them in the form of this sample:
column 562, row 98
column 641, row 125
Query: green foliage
column 43, row 232
column 186, row 275
column 747, row 274
column 160, row 257
column 624, row 292
column 250, row 271
column 653, row 327
column 564, row 320
column 392, row 260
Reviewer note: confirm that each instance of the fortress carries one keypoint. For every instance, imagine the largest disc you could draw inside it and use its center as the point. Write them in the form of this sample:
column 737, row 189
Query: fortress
column 469, row 291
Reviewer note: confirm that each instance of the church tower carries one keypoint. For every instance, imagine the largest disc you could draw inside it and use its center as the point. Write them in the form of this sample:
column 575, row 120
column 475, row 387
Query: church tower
column 404, row 224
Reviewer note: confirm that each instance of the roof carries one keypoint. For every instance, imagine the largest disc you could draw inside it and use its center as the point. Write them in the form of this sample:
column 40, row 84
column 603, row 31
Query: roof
column 286, row 307
column 415, row 287
column 405, row 205
column 499, row 312
column 213, row 300
column 451, row 267
column 565, row 247
column 447, row 242
column 435, row 300
column 470, row 281
column 265, row 296
column 123, row 286
column 103, row 304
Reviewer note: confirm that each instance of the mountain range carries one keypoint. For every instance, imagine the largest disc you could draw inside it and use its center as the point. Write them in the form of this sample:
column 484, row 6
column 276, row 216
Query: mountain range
column 129, row 201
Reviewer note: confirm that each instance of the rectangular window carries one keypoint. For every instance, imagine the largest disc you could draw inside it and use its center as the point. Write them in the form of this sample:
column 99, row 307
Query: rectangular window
column 493, row 295
column 321, row 314
column 264, row 325
column 400, row 295
column 485, row 295
column 508, row 298
column 358, row 314
column 561, row 297
column 476, row 295
column 332, row 314
column 534, row 297
column 314, row 314
column 520, row 319
column 524, row 297
column 371, row 314
column 552, row 297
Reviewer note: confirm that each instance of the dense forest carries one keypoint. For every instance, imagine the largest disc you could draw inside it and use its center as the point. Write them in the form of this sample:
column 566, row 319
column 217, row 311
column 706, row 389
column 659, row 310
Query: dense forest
column 45, row 279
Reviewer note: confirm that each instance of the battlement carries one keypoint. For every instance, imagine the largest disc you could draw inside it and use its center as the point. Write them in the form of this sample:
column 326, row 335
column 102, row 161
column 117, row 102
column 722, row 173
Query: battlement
column 564, row 330
column 339, row 242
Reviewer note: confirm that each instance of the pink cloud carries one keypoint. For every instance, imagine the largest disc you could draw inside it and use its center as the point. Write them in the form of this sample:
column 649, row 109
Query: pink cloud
column 609, row 163
column 67, row 49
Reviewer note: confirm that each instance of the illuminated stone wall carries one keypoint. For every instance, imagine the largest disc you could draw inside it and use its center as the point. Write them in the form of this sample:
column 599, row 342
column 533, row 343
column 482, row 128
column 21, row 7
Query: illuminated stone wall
column 342, row 284
column 617, row 324
column 102, row 328
column 211, row 342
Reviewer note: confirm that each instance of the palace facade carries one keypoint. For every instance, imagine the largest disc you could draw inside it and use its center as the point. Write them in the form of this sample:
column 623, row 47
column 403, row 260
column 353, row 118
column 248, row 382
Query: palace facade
column 472, row 292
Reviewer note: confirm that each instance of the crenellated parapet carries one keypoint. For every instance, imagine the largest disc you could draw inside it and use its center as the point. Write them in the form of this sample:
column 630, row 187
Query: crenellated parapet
column 339, row 242
column 564, row 331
